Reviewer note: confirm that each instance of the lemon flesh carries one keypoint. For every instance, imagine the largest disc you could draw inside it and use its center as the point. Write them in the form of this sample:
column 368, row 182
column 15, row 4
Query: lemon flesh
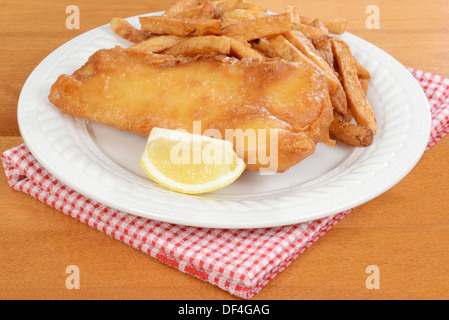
column 190, row 163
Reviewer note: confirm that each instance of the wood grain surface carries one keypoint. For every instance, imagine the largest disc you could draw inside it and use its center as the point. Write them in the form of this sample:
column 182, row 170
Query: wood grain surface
column 405, row 231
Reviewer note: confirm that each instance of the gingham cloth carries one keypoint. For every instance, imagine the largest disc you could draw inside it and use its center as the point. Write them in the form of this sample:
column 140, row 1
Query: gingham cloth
column 239, row 261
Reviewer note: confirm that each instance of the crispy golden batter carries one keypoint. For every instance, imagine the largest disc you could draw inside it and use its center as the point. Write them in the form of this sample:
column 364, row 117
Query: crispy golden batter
column 136, row 90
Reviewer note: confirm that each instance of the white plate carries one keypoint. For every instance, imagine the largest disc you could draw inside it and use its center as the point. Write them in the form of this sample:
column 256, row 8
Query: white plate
column 102, row 162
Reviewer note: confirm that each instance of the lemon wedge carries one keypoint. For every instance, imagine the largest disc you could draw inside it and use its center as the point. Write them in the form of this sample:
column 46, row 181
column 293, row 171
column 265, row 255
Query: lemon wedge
column 190, row 163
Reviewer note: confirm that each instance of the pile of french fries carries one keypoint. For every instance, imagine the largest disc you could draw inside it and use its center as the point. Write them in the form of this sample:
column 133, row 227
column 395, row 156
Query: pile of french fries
column 245, row 30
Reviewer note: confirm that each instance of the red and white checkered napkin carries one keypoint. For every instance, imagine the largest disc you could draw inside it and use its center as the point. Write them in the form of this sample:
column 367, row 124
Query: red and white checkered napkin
column 239, row 261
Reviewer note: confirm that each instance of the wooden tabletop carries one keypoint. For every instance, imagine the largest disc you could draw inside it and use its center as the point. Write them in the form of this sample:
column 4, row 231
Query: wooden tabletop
column 404, row 232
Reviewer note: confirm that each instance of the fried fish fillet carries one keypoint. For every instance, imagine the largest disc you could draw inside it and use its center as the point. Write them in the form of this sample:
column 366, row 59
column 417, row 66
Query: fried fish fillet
column 136, row 90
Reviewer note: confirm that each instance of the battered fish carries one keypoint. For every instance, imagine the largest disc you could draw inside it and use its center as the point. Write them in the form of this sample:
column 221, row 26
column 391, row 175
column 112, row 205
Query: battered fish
column 136, row 90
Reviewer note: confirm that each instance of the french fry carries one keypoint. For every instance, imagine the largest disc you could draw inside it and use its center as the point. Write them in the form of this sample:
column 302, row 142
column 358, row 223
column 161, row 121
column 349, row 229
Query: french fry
column 200, row 45
column 180, row 26
column 249, row 5
column 225, row 22
column 260, row 27
column 324, row 48
column 181, row 6
column 122, row 28
column 208, row 11
column 265, row 47
column 226, row 5
column 189, row 13
column 306, row 20
column 310, row 32
column 159, row 43
column 295, row 13
column 350, row 134
column 336, row 90
column 347, row 118
column 357, row 102
column 221, row 6
column 361, row 71
column 319, row 24
column 242, row 49
column 284, row 49
column 305, row 46
column 240, row 14
column 337, row 25
column 364, row 85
